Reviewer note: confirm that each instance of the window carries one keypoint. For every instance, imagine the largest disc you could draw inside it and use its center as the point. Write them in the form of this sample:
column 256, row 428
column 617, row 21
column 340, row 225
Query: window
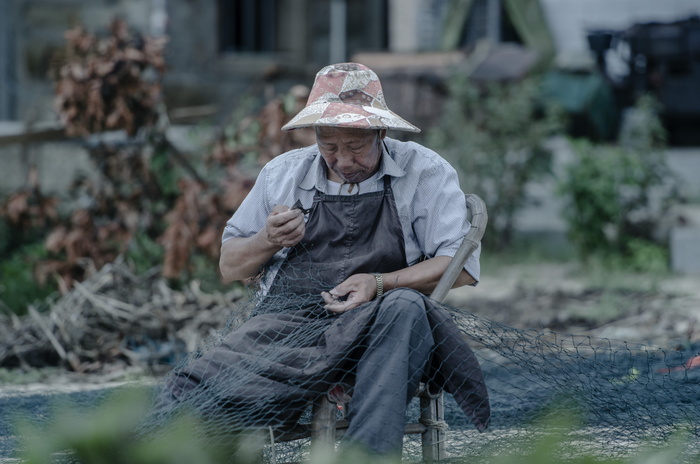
column 247, row 25
column 8, row 81
column 489, row 19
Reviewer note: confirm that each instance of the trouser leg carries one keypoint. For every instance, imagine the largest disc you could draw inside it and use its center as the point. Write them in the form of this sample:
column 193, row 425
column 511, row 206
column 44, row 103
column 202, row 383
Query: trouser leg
column 398, row 347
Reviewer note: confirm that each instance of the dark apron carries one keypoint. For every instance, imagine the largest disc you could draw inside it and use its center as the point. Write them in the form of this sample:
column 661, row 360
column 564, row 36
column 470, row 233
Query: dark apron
column 293, row 350
column 345, row 235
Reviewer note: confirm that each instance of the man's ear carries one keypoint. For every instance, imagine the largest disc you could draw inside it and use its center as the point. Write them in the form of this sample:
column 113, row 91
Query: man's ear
column 382, row 134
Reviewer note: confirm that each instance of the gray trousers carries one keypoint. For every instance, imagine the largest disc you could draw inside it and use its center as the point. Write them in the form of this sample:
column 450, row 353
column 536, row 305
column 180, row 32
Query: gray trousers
column 398, row 348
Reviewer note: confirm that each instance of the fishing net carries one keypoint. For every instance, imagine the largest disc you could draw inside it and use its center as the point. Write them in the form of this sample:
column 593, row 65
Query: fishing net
column 261, row 378
column 257, row 380
column 619, row 397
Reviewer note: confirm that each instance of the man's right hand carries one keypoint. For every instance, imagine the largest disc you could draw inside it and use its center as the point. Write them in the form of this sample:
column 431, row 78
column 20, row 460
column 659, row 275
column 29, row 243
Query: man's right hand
column 285, row 227
column 243, row 257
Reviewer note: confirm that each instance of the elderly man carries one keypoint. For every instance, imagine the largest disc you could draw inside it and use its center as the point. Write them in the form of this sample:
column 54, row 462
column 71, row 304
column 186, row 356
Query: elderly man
column 347, row 237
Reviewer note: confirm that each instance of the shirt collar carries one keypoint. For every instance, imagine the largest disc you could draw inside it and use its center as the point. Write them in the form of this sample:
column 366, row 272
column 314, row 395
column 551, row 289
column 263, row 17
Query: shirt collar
column 315, row 177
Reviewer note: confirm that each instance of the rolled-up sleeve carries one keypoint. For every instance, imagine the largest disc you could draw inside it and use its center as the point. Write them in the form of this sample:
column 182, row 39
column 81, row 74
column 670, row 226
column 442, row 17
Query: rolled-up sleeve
column 251, row 215
column 440, row 215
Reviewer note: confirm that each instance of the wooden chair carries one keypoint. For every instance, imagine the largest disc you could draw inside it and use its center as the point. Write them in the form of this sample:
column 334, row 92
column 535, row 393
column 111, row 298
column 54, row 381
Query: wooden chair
column 325, row 427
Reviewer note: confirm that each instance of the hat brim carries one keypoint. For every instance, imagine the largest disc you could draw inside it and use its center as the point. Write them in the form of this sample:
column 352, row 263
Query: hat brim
column 338, row 114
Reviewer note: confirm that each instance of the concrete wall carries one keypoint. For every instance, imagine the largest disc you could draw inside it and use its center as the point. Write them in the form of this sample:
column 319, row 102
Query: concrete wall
column 40, row 27
column 58, row 163
column 198, row 72
column 415, row 25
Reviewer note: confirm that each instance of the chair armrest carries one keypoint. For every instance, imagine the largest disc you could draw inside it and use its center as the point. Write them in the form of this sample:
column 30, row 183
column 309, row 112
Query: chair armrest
column 479, row 219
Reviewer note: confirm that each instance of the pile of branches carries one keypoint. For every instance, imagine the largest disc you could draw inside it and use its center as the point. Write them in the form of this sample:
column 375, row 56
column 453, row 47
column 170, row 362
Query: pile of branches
column 110, row 83
column 118, row 318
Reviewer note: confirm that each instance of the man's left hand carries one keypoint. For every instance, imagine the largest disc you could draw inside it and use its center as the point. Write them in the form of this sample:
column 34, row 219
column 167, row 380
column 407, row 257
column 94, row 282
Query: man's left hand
column 351, row 293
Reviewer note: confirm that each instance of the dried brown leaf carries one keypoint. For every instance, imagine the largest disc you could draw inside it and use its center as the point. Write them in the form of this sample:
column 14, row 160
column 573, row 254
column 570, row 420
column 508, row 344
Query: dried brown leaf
column 56, row 239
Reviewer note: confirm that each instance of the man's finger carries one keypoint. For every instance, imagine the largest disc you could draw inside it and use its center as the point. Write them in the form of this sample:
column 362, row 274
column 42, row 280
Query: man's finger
column 285, row 228
column 327, row 297
column 291, row 233
column 333, row 304
column 277, row 209
column 289, row 226
column 331, row 296
column 280, row 218
column 338, row 306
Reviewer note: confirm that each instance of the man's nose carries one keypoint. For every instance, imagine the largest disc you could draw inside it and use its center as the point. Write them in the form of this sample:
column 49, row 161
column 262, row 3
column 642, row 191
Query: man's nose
column 344, row 159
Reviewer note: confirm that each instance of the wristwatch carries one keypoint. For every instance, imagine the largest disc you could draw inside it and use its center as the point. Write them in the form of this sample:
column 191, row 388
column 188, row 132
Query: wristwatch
column 380, row 284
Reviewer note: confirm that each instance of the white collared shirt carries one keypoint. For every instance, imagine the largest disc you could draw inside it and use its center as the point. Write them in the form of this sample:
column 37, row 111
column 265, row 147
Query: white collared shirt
column 430, row 203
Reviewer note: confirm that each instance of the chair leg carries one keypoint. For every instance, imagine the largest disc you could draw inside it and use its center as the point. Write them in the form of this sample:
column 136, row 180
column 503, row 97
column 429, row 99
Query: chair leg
column 432, row 415
column 323, row 425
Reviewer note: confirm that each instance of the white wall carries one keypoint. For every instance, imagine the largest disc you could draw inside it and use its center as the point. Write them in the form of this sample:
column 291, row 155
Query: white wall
column 403, row 19
column 570, row 19
column 416, row 25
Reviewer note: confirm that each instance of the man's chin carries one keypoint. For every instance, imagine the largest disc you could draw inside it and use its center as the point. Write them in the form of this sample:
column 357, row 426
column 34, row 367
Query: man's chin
column 353, row 178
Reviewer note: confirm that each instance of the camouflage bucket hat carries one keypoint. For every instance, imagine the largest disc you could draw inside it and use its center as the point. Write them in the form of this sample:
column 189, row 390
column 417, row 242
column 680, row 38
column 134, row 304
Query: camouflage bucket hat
column 348, row 95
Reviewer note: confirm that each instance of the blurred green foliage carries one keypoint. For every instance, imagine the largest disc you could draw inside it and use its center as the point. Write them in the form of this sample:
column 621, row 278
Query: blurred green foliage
column 618, row 195
column 143, row 253
column 494, row 135
column 21, row 247
column 107, row 434
column 19, row 287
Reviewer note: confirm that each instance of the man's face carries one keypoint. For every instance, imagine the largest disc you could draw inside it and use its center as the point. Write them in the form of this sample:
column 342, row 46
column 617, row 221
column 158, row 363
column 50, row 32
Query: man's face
column 351, row 155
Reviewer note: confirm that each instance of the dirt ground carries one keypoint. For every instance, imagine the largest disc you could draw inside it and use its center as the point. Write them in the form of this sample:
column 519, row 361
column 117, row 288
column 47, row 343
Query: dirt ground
column 563, row 297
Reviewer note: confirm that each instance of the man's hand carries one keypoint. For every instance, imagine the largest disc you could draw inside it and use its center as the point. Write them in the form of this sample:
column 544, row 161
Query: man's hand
column 242, row 257
column 355, row 290
column 285, row 227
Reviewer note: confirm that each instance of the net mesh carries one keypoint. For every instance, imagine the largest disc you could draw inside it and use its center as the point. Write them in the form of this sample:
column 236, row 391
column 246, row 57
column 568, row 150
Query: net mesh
column 261, row 375
column 620, row 396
